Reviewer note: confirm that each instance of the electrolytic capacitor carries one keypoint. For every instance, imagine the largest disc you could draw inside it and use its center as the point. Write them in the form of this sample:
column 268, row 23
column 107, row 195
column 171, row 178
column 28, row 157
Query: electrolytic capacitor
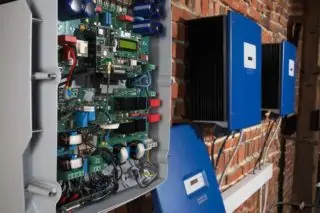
column 89, row 8
column 148, row 10
column 147, row 28
column 70, row 9
column 137, row 150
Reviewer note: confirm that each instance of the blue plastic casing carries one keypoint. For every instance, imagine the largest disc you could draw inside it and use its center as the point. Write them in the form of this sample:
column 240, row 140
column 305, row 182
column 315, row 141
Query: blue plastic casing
column 244, row 71
column 188, row 157
column 288, row 79
column 106, row 19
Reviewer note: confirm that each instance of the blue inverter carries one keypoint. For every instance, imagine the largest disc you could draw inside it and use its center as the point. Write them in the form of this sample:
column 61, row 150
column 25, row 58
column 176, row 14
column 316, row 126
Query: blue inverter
column 224, row 71
column 278, row 77
column 191, row 185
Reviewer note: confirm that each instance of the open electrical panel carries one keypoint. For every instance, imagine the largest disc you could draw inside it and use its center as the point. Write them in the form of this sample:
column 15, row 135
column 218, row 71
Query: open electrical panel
column 94, row 80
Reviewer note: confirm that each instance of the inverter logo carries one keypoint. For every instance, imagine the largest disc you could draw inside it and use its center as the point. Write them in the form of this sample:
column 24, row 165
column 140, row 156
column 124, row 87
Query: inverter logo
column 250, row 55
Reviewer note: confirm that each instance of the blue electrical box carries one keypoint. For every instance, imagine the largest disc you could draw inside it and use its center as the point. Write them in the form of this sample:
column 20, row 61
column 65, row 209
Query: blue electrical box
column 224, row 71
column 191, row 185
column 278, row 77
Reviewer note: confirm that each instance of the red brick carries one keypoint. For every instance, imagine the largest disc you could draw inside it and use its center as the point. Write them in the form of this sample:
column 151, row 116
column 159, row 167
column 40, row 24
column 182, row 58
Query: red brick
column 234, row 176
column 209, row 149
column 179, row 109
column 254, row 14
column 196, row 6
column 178, row 50
column 178, row 31
column 174, row 91
column 179, row 15
column 178, row 70
column 242, row 153
column 242, row 7
column 182, row 91
column 204, row 7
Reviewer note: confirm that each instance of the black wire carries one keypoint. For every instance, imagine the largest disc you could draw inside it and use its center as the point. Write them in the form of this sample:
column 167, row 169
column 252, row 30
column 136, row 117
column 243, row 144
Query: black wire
column 221, row 149
column 270, row 126
column 298, row 205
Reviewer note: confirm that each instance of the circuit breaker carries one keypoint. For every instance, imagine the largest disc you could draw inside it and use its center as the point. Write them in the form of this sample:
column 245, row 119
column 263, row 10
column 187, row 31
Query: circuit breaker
column 278, row 77
column 224, row 71
column 88, row 95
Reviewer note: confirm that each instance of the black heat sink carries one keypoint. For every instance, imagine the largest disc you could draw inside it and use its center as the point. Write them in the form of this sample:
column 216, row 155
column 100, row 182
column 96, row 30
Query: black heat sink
column 271, row 75
column 206, row 69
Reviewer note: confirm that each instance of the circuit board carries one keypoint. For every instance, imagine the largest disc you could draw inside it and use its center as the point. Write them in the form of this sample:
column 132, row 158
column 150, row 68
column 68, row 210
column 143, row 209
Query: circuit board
column 105, row 102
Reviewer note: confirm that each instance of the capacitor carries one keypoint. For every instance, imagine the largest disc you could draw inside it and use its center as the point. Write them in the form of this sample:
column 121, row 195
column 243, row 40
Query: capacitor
column 89, row 8
column 70, row 9
column 81, row 119
column 121, row 153
column 137, row 150
column 147, row 28
column 148, row 10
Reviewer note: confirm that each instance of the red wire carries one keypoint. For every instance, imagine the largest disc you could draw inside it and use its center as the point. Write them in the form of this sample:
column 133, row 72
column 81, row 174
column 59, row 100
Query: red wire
column 74, row 64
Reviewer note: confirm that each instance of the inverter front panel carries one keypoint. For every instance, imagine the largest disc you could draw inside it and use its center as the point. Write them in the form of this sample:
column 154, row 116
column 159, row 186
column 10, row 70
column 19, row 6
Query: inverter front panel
column 244, row 72
column 288, row 79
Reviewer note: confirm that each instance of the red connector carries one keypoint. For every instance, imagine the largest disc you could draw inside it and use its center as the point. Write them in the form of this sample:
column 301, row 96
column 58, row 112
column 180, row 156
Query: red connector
column 154, row 102
column 98, row 9
column 67, row 39
column 153, row 118
column 126, row 18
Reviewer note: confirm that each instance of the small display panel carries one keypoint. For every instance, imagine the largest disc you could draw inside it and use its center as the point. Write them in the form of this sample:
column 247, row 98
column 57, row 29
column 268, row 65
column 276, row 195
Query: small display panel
column 127, row 45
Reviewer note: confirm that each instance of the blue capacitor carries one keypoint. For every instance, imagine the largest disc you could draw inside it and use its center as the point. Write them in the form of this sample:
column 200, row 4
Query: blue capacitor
column 81, row 119
column 91, row 116
column 89, row 8
column 147, row 28
column 70, row 9
column 106, row 19
column 148, row 10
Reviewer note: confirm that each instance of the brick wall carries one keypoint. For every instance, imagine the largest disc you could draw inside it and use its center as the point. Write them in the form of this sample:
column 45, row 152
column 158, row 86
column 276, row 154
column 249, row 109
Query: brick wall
column 274, row 18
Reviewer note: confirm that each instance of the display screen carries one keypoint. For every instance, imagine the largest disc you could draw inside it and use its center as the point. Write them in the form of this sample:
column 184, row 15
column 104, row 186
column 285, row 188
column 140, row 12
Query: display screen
column 127, row 45
column 194, row 182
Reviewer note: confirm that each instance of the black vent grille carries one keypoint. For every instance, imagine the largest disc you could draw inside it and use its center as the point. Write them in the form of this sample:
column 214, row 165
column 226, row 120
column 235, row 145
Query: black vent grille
column 206, row 69
column 271, row 75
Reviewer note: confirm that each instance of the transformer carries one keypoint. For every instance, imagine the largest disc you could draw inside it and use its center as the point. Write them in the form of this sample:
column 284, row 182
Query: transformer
column 224, row 71
column 278, row 77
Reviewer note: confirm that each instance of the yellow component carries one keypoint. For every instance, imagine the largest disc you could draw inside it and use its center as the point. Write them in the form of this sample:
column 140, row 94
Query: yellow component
column 82, row 27
column 109, row 67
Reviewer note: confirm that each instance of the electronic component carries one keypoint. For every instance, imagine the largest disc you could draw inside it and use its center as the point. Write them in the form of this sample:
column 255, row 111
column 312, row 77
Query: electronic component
column 147, row 10
column 82, row 48
column 126, row 18
column 89, row 8
column 128, row 45
column 106, row 19
column 67, row 39
column 146, row 27
column 278, row 77
column 69, row 162
column 153, row 118
column 121, row 153
column 228, row 75
column 130, row 103
column 70, row 9
column 154, row 102
column 137, row 150
column 69, row 138
column 191, row 178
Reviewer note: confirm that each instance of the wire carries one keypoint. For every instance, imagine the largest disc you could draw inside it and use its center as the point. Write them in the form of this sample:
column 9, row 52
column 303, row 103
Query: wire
column 221, row 149
column 301, row 205
column 231, row 159
column 272, row 138
column 74, row 64
column 270, row 126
